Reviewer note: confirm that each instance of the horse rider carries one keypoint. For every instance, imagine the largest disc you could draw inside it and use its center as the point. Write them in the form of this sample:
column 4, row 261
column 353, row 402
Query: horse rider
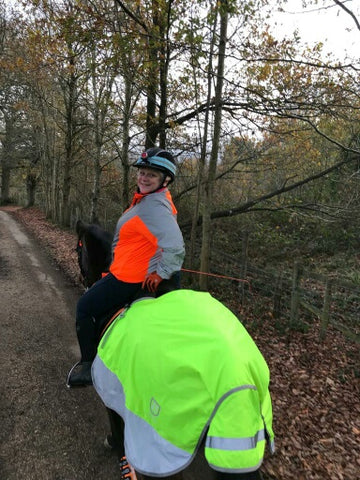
column 148, row 247
column 181, row 370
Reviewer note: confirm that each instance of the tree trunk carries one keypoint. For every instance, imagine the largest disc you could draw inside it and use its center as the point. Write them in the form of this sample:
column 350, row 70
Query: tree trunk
column 96, row 184
column 7, row 156
column 5, row 183
column 151, row 130
column 98, row 134
column 203, row 155
column 125, row 197
column 209, row 186
column 65, row 212
column 31, row 183
column 164, row 55
column 70, row 87
column 154, row 46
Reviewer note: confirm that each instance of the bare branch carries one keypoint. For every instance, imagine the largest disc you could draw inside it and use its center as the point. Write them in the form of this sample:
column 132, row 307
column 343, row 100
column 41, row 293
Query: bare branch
column 248, row 206
column 132, row 15
column 347, row 10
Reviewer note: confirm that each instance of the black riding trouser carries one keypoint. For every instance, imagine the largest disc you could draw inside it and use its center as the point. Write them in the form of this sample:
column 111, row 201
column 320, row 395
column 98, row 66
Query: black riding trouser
column 96, row 306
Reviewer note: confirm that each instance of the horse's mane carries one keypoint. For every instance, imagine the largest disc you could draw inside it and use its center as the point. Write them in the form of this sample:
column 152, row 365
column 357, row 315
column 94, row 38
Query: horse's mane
column 94, row 250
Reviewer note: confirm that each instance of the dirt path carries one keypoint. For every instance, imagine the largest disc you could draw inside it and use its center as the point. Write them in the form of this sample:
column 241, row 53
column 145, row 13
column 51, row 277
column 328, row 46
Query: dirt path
column 48, row 432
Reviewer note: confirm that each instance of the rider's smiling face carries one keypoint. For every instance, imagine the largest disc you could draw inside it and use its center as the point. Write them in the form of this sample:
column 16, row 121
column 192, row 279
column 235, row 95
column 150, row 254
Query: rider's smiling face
column 149, row 180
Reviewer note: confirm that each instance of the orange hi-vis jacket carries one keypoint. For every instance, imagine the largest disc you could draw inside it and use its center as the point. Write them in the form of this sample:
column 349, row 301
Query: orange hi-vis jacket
column 147, row 239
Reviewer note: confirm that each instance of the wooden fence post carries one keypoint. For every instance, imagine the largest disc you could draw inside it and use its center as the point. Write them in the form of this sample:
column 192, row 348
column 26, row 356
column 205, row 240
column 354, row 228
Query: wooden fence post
column 325, row 314
column 277, row 296
column 295, row 295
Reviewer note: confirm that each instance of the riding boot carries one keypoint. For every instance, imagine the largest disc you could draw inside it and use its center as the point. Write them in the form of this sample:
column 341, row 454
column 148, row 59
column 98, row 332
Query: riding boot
column 80, row 375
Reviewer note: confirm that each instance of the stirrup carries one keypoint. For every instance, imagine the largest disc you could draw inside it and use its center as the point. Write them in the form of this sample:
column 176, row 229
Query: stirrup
column 69, row 374
column 109, row 442
column 82, row 378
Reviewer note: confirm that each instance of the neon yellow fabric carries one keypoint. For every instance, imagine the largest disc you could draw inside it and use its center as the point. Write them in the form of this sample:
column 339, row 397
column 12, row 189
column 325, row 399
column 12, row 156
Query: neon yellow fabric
column 186, row 362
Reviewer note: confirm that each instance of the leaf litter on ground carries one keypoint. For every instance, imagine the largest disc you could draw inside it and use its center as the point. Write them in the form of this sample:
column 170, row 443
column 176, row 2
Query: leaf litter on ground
column 315, row 385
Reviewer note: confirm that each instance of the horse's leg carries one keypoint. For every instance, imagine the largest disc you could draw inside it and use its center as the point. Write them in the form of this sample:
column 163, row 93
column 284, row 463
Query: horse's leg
column 117, row 432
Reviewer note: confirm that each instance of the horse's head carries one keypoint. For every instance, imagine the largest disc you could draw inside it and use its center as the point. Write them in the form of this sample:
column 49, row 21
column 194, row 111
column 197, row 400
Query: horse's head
column 94, row 251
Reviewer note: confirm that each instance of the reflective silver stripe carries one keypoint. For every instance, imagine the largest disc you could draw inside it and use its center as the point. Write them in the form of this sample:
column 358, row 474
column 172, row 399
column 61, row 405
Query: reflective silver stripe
column 272, row 446
column 227, row 394
column 245, row 443
column 146, row 449
column 148, row 452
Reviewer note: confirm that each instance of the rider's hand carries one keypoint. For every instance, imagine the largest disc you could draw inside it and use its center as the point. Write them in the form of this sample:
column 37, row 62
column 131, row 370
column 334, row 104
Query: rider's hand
column 152, row 281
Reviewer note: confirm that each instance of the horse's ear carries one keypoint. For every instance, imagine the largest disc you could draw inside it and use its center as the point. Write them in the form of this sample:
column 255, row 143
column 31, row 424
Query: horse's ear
column 80, row 227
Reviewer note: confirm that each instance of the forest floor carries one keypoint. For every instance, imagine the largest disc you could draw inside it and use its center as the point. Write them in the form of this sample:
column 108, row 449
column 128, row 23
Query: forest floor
column 315, row 386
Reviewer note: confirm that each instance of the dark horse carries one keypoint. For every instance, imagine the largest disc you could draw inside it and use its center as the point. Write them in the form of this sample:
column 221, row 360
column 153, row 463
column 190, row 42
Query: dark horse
column 94, row 251
column 94, row 257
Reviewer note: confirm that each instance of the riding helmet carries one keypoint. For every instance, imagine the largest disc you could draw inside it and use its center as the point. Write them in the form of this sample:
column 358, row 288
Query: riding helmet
column 158, row 159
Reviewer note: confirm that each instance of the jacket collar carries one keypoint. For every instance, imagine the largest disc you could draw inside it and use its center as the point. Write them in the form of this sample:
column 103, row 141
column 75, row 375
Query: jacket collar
column 139, row 196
